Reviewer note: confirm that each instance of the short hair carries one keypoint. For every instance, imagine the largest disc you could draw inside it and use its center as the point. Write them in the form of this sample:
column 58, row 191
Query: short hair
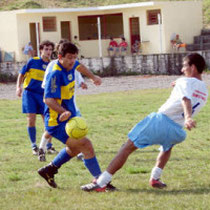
column 197, row 60
column 67, row 47
column 59, row 43
column 46, row 43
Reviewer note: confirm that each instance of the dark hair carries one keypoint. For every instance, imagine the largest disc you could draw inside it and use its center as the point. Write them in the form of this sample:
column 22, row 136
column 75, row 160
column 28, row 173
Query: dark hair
column 67, row 47
column 60, row 42
column 46, row 43
column 197, row 60
column 123, row 38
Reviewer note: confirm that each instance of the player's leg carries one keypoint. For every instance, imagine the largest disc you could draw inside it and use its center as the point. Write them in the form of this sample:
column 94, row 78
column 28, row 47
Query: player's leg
column 31, row 128
column 46, row 142
column 46, row 137
column 62, row 157
column 117, row 163
column 161, row 162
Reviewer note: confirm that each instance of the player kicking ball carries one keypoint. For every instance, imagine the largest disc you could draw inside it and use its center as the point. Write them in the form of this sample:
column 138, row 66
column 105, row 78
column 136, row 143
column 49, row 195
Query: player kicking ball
column 165, row 127
column 60, row 108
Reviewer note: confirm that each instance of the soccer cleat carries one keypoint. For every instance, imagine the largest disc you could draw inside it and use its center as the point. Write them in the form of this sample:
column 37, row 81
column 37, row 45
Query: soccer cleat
column 35, row 150
column 157, row 183
column 93, row 187
column 48, row 173
column 52, row 150
column 80, row 156
column 110, row 187
column 41, row 156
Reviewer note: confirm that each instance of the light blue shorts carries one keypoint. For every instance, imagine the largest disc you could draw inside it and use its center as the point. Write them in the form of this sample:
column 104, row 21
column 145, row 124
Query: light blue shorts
column 158, row 129
column 32, row 102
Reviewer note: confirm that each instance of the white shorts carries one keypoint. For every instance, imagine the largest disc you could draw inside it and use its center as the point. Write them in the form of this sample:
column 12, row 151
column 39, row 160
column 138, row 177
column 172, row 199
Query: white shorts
column 158, row 129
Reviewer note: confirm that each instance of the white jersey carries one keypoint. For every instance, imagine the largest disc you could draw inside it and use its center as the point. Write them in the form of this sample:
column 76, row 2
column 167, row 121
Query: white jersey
column 78, row 79
column 191, row 88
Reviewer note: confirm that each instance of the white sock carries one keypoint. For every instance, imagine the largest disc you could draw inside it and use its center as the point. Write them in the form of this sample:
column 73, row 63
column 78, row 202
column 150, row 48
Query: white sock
column 104, row 179
column 43, row 143
column 156, row 173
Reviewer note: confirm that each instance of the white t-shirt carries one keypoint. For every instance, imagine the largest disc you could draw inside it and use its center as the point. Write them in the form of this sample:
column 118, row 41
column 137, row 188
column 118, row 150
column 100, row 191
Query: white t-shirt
column 191, row 88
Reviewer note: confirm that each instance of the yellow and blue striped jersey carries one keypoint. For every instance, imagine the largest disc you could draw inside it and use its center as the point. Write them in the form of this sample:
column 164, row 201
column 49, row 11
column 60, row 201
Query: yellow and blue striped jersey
column 60, row 85
column 33, row 72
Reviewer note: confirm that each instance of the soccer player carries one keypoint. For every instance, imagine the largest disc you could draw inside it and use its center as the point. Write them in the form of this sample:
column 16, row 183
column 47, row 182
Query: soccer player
column 31, row 75
column 79, row 81
column 60, row 107
column 165, row 127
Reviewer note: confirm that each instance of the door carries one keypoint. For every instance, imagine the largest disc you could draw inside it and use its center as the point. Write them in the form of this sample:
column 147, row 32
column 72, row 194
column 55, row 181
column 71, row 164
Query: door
column 134, row 31
column 65, row 30
column 33, row 36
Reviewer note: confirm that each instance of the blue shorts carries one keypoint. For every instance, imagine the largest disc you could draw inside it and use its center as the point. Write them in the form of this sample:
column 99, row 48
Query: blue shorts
column 32, row 102
column 158, row 129
column 58, row 132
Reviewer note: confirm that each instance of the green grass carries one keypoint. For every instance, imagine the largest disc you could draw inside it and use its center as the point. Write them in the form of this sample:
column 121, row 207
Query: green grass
column 21, row 4
column 110, row 117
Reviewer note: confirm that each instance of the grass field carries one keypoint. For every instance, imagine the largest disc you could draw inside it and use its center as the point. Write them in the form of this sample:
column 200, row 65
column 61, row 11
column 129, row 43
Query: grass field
column 110, row 117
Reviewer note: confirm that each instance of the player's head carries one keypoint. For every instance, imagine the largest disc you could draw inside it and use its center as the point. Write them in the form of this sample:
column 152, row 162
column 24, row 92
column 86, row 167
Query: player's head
column 195, row 60
column 67, row 54
column 59, row 43
column 46, row 48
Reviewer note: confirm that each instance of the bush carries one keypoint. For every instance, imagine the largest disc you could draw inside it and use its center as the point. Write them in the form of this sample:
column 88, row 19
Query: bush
column 7, row 77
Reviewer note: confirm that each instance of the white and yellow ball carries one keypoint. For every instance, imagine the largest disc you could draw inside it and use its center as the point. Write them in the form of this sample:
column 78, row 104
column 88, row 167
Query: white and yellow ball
column 76, row 128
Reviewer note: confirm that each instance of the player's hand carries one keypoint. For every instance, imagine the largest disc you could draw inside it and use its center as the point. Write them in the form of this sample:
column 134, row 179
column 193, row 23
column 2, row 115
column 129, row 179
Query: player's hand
column 19, row 91
column 65, row 116
column 84, row 85
column 97, row 80
column 190, row 123
column 173, row 83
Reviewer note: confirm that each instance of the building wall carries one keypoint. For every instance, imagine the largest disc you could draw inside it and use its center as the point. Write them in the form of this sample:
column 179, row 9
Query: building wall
column 157, row 64
column 183, row 18
column 8, row 29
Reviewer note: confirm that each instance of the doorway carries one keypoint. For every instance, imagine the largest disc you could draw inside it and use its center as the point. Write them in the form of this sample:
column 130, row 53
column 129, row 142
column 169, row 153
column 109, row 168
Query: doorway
column 33, row 37
column 134, row 31
column 66, row 30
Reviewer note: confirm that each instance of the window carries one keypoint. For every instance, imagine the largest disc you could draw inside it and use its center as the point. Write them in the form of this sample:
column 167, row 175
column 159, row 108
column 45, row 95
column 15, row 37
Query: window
column 152, row 16
column 111, row 26
column 49, row 24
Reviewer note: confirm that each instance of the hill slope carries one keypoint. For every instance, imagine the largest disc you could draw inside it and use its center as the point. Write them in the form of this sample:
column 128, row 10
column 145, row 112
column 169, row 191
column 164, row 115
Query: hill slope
column 23, row 4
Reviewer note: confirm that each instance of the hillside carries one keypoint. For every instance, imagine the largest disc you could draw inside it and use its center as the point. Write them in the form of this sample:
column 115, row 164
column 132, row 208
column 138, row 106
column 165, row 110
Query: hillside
column 23, row 4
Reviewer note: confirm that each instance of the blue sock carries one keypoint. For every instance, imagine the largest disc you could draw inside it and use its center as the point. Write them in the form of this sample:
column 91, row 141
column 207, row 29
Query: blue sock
column 93, row 166
column 61, row 158
column 32, row 135
column 49, row 145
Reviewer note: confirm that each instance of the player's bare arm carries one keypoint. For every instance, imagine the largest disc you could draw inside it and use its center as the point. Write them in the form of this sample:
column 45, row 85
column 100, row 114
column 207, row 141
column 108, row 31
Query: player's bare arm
column 53, row 104
column 18, row 86
column 187, row 106
column 96, row 79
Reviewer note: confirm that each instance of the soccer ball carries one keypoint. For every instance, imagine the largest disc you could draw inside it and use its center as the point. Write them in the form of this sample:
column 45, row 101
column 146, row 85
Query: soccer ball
column 76, row 128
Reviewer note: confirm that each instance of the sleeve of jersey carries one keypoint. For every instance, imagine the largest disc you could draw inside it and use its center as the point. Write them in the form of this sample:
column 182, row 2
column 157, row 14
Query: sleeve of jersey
column 26, row 67
column 78, row 78
column 184, row 89
column 53, row 85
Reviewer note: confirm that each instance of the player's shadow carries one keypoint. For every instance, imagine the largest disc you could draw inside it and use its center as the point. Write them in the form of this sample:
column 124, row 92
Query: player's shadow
column 196, row 191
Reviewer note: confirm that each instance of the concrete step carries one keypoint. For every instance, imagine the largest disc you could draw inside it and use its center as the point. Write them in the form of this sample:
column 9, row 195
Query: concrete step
column 205, row 32
column 194, row 47
column 202, row 39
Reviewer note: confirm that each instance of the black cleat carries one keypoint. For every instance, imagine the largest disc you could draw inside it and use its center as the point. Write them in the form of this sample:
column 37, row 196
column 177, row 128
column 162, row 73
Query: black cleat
column 41, row 156
column 47, row 172
column 35, row 150
column 110, row 187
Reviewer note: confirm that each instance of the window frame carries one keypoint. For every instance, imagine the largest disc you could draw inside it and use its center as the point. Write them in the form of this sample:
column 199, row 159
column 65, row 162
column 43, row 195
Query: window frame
column 54, row 24
column 155, row 12
column 104, row 35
